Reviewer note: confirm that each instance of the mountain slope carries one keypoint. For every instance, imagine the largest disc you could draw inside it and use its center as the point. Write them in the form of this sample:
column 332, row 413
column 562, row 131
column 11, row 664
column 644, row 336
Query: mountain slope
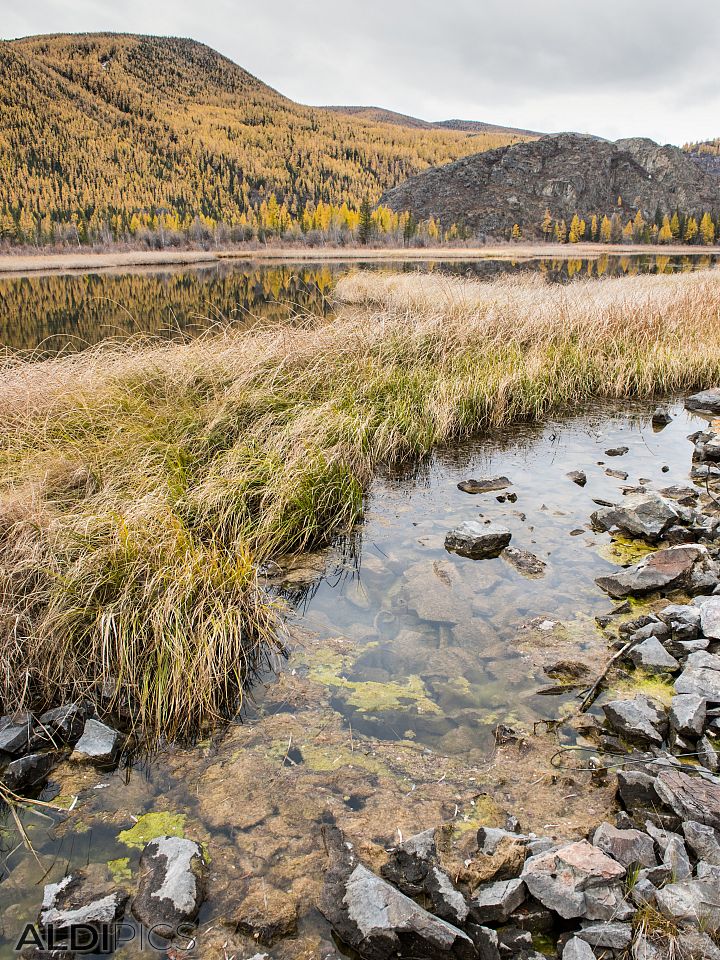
column 96, row 128
column 380, row 115
column 565, row 173
column 706, row 154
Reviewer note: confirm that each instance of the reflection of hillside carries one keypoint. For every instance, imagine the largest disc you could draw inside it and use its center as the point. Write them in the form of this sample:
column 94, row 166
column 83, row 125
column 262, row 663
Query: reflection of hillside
column 56, row 310
column 69, row 311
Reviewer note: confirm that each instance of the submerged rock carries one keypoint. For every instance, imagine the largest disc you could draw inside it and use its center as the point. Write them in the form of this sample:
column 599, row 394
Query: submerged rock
column 478, row 540
column 486, row 485
column 688, row 565
column 266, row 914
column 85, row 897
column 171, row 885
column 526, row 563
column 646, row 516
column 578, row 880
column 98, row 743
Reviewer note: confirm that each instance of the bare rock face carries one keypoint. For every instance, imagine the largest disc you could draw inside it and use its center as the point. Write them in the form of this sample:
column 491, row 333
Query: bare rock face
column 566, row 173
column 172, row 884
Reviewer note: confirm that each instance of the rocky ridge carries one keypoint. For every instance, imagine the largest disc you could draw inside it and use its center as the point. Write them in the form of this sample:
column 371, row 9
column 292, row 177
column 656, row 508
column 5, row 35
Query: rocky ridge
column 565, row 173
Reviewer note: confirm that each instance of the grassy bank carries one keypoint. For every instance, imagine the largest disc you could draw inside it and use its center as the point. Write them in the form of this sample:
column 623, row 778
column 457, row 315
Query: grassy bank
column 144, row 485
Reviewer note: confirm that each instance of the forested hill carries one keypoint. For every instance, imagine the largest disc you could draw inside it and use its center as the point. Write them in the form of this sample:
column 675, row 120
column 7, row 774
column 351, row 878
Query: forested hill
column 108, row 132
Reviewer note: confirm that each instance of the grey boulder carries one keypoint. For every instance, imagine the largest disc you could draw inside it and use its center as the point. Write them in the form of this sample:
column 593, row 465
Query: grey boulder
column 707, row 755
column 710, row 618
column 695, row 902
column 646, row 516
column 628, row 847
column 687, row 714
column 612, row 936
column 688, row 566
column 577, row 949
column 640, row 720
column 578, row 880
column 99, row 743
column 690, row 798
column 171, row 887
column 15, row 733
column 61, row 725
column 701, row 676
column 708, row 402
column 478, row 540
column 703, row 840
column 652, row 657
column 494, row 902
column 683, row 621
column 28, row 771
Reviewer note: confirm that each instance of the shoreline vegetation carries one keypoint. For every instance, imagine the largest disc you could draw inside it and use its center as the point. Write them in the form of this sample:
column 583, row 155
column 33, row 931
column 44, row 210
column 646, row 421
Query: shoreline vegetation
column 88, row 260
column 148, row 485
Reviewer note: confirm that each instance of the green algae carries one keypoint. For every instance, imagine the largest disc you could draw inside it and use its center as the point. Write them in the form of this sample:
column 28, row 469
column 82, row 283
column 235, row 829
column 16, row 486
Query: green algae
column 324, row 759
column 624, row 551
column 120, row 870
column 151, row 825
column 483, row 813
column 371, row 696
column 649, row 684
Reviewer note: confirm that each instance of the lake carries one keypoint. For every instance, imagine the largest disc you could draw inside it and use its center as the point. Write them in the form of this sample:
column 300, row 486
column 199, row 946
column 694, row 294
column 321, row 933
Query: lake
column 58, row 312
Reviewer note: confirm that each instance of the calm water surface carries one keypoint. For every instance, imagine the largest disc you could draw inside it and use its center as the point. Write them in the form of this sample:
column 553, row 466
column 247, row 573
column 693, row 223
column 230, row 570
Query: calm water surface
column 410, row 645
column 61, row 312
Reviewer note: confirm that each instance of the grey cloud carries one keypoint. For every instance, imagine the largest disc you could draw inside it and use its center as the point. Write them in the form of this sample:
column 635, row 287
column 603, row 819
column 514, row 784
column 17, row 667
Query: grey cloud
column 616, row 68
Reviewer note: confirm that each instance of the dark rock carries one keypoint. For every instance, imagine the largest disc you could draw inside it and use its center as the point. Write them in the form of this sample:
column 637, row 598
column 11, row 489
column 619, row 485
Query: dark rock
column 266, row 914
column 687, row 714
column 578, row 880
column 616, row 474
column 568, row 172
column 707, row 402
column 171, row 885
column 690, row 798
column 62, row 725
column 99, row 743
column 661, row 418
column 84, row 897
column 514, row 939
column 485, row 940
column 487, row 485
column 477, row 540
column 628, row 847
column 409, row 863
column 707, row 755
column 636, row 789
column 29, row 771
column 617, row 451
column 683, row 621
column 578, row 476
column 687, row 566
column 15, row 732
column 494, row 902
column 687, row 496
column 446, row 901
column 676, row 859
column 640, row 720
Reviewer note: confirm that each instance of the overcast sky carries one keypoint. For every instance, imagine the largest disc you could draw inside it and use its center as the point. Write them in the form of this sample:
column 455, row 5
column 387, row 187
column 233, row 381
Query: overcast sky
column 615, row 68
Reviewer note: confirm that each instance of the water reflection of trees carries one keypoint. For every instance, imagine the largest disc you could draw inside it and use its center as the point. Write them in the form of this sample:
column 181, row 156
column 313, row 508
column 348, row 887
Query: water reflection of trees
column 69, row 311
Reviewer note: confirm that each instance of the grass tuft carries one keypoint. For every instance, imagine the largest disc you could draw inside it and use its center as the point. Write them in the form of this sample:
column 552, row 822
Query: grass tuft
column 145, row 484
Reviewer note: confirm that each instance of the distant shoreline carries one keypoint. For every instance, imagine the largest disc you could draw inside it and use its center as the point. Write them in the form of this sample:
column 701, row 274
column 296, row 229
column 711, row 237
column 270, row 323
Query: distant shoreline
column 27, row 264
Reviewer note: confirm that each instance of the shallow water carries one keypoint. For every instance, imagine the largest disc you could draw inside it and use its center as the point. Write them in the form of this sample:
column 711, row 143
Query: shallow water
column 404, row 660
column 67, row 312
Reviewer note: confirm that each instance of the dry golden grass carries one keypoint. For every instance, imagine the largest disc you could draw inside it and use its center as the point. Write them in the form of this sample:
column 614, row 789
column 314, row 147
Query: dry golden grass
column 144, row 484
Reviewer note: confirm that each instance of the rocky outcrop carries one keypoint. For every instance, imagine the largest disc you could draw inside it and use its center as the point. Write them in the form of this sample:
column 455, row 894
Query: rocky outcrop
column 566, row 173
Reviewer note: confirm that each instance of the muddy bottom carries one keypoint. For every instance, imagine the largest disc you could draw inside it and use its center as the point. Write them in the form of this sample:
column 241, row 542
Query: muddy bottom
column 405, row 663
